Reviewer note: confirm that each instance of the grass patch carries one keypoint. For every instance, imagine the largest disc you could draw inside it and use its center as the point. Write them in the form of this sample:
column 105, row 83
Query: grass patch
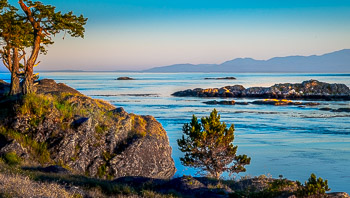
column 65, row 108
column 12, row 159
column 100, row 129
column 35, row 104
column 38, row 150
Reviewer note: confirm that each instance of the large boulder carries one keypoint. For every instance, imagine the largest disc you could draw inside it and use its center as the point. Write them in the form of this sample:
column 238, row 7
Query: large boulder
column 60, row 126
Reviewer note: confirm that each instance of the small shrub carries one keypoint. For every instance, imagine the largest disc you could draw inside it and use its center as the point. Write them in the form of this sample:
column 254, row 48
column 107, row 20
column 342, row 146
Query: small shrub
column 12, row 159
column 314, row 186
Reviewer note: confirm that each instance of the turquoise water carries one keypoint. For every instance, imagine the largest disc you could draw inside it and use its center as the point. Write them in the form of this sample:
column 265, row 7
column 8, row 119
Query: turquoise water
column 282, row 140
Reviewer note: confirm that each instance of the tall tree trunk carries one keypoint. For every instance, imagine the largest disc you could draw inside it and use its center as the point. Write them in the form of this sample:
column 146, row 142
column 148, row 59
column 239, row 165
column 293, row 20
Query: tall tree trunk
column 28, row 84
column 15, row 88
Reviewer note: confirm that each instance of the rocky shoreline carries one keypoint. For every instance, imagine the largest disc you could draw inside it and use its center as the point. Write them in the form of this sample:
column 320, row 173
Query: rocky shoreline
column 89, row 148
column 311, row 89
column 60, row 126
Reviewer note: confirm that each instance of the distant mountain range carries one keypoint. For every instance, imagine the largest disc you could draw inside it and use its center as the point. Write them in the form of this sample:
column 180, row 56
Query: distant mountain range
column 338, row 61
column 334, row 62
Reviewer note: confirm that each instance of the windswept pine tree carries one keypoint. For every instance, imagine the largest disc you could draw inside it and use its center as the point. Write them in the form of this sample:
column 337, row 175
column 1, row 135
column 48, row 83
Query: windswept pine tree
column 14, row 38
column 46, row 22
column 208, row 145
column 32, row 29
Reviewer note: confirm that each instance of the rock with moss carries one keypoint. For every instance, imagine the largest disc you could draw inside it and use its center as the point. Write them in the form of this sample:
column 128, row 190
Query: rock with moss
column 60, row 126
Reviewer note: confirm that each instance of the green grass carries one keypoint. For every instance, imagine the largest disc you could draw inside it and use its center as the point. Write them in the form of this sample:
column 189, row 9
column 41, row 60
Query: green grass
column 33, row 104
column 37, row 149
column 12, row 159
column 66, row 110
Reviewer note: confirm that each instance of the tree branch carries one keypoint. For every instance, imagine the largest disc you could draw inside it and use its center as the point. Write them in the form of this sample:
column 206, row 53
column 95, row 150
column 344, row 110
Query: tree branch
column 37, row 64
column 6, row 65
column 28, row 12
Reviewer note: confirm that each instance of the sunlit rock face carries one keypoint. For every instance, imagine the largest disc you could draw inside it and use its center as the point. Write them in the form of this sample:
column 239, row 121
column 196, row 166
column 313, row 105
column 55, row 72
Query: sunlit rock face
column 311, row 89
column 59, row 125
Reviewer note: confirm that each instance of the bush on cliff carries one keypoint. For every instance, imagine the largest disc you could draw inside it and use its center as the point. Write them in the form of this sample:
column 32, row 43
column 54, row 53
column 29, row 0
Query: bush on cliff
column 208, row 145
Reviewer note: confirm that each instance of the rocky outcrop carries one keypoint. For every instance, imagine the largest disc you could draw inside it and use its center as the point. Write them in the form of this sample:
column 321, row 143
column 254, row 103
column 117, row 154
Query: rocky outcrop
column 125, row 78
column 60, row 126
column 275, row 102
column 311, row 89
column 188, row 186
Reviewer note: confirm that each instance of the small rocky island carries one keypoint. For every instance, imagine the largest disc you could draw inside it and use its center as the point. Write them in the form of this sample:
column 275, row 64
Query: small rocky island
column 223, row 78
column 311, row 89
column 125, row 78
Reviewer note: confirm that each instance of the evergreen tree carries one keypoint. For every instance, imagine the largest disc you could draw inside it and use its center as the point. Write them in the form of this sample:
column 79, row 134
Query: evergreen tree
column 14, row 38
column 34, row 29
column 46, row 22
column 208, row 145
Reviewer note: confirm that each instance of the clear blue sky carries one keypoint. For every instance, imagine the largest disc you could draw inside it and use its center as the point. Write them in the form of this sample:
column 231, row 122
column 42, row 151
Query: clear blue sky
column 138, row 34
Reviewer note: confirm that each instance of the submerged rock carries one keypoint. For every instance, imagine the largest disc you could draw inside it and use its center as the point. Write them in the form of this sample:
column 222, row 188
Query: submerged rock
column 262, row 102
column 224, row 78
column 125, row 78
column 282, row 102
column 60, row 126
column 311, row 89
column 223, row 102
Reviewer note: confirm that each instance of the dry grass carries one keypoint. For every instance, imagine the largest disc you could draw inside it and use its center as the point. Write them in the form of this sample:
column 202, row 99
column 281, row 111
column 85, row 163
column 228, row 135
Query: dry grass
column 14, row 185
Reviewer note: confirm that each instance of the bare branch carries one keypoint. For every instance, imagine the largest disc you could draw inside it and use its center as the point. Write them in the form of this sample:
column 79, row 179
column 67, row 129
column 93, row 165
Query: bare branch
column 47, row 33
column 32, row 7
column 23, row 55
column 6, row 65
column 37, row 64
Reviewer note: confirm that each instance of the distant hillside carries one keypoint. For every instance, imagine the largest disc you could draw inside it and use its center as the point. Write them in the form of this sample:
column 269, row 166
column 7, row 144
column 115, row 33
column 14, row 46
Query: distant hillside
column 338, row 61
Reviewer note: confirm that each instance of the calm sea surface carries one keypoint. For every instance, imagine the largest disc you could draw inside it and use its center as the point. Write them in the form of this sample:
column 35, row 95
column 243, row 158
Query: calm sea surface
column 281, row 140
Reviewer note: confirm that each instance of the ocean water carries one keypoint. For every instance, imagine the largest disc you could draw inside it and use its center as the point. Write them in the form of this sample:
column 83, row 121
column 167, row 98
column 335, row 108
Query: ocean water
column 281, row 140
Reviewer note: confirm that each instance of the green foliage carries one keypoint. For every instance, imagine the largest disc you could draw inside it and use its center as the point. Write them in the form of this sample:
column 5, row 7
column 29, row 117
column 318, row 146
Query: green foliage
column 39, row 106
column 14, row 34
column 33, row 31
column 314, row 186
column 65, row 108
column 35, row 104
column 100, row 129
column 208, row 145
column 11, row 159
column 37, row 149
column 14, row 29
column 102, row 171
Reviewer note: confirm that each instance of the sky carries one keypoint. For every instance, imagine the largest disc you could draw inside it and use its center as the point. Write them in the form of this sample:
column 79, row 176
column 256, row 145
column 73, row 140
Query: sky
column 141, row 34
